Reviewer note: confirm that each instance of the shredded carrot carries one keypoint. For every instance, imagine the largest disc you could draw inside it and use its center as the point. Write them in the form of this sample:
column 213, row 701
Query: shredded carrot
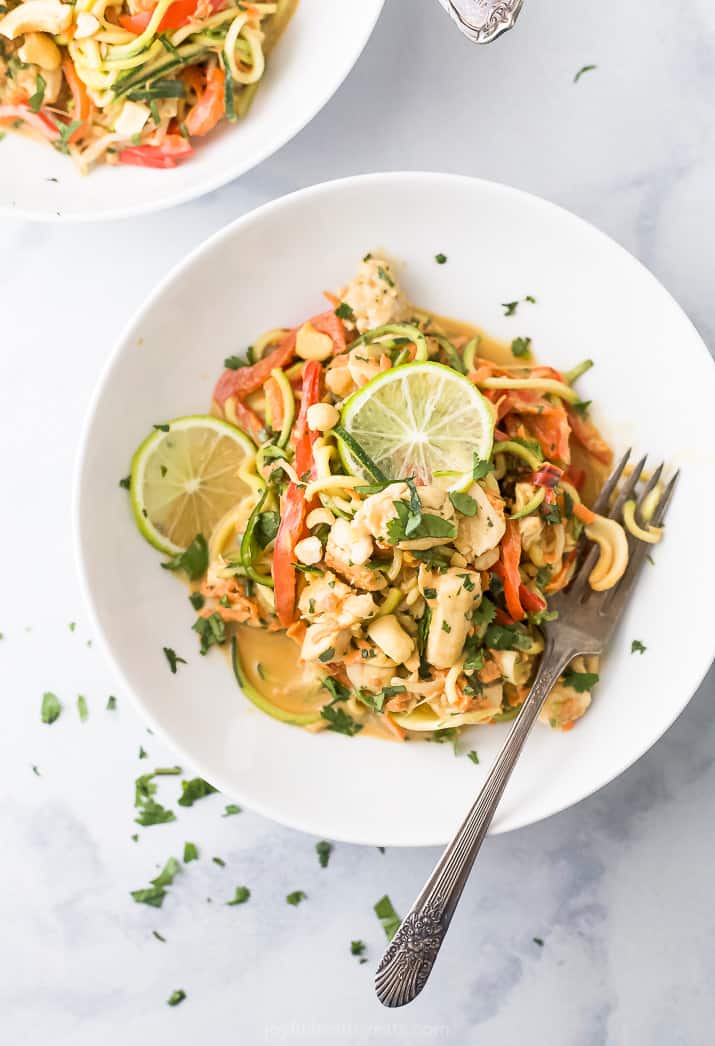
column 396, row 729
column 584, row 514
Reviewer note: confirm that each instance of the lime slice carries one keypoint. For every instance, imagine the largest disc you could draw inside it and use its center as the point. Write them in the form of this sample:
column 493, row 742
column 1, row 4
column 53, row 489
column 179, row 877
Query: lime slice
column 422, row 419
column 186, row 478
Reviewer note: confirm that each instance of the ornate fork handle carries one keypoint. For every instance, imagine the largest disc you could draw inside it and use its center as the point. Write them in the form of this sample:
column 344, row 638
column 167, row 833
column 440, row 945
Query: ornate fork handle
column 483, row 20
column 408, row 961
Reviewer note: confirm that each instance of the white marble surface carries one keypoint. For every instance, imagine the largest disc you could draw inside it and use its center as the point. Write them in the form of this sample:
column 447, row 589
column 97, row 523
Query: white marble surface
column 619, row 888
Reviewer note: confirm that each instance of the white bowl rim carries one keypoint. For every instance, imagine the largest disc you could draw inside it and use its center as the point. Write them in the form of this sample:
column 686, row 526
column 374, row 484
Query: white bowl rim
column 220, row 178
column 698, row 667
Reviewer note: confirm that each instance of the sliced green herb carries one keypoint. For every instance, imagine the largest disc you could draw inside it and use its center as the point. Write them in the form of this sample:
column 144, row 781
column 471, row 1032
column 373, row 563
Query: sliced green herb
column 240, row 896
column 193, row 561
column 51, row 707
column 387, row 915
column 638, row 647
column 173, row 658
column 195, row 789
column 296, row 897
column 82, row 709
column 191, row 852
column 323, row 850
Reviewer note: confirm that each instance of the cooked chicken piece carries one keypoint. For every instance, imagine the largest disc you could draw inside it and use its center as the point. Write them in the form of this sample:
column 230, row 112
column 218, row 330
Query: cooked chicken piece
column 326, row 596
column 451, row 597
column 482, row 532
column 564, row 705
column 374, row 295
column 378, row 510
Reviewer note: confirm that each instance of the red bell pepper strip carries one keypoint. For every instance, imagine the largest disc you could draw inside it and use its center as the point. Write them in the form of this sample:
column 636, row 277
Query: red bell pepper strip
column 245, row 380
column 530, row 600
column 82, row 107
column 576, row 477
column 551, row 428
column 508, row 569
column 289, row 531
column 547, row 476
column 249, row 421
column 172, row 149
column 293, row 504
column 176, row 16
column 302, row 437
column 502, row 618
column 37, row 121
column 589, row 437
column 208, row 110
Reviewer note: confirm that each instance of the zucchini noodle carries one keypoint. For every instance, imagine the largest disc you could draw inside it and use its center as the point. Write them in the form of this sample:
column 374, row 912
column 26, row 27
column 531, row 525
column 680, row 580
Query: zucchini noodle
column 181, row 79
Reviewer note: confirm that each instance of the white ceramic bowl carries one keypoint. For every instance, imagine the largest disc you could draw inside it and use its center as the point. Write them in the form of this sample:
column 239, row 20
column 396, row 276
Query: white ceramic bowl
column 652, row 386
column 315, row 54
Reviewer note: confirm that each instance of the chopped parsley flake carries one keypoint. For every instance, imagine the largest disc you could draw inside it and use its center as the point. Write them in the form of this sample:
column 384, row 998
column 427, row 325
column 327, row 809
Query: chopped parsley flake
column 509, row 307
column 582, row 70
column 197, row 600
column 176, row 997
column 82, row 708
column 473, row 756
column 211, row 631
column 539, row 941
column 111, row 703
column 384, row 275
column 323, row 850
column 581, row 682
column 387, row 915
column 125, row 483
column 191, row 852
column 344, row 311
column 638, row 647
column 440, row 258
column 296, row 897
column 72, row 625
column 357, row 947
column 463, row 503
column 339, row 721
column 230, row 810
column 161, row 428
column 219, row 861
column 241, row 895
column 194, row 560
column 521, row 347
column 51, row 707
column 155, row 933
column 173, row 658
column 195, row 789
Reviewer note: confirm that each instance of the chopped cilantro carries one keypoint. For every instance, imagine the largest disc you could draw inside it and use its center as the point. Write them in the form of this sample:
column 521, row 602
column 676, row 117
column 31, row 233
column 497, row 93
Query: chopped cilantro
column 211, row 631
column 230, row 810
column 463, row 503
column 430, row 593
column 195, row 789
column 327, row 655
column 480, row 467
column 357, row 947
column 142, row 752
column 539, row 941
column 387, row 915
column 446, row 627
column 176, row 997
column 125, row 482
column 384, row 275
column 582, row 70
column 509, row 307
column 194, row 560
column 506, row 637
column 154, row 813
column 336, row 689
column 440, row 258
column 35, row 771
column 344, row 311
column 339, row 721
column 219, row 861
column 234, row 363
column 173, row 658
column 638, row 647
column 155, row 933
column 473, row 756
column 266, row 528
column 581, row 682
column 82, row 709
column 296, row 897
column 51, row 707
column 161, row 428
column 111, row 705
column 197, row 600
column 191, row 852
column 241, row 895
column 35, row 100
column 323, row 850
column 521, row 347
column 72, row 625
column 151, row 895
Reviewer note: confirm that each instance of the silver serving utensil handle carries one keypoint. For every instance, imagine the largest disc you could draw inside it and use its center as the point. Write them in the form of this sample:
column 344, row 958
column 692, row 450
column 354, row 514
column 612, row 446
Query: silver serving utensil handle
column 482, row 21
column 410, row 956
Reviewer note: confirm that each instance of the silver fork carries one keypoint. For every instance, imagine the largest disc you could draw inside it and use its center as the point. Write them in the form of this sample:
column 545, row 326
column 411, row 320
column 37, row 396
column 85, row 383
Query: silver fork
column 482, row 21
column 585, row 624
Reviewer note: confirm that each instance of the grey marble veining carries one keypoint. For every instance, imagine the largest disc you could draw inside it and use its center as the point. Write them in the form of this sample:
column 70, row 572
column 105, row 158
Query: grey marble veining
column 619, row 887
